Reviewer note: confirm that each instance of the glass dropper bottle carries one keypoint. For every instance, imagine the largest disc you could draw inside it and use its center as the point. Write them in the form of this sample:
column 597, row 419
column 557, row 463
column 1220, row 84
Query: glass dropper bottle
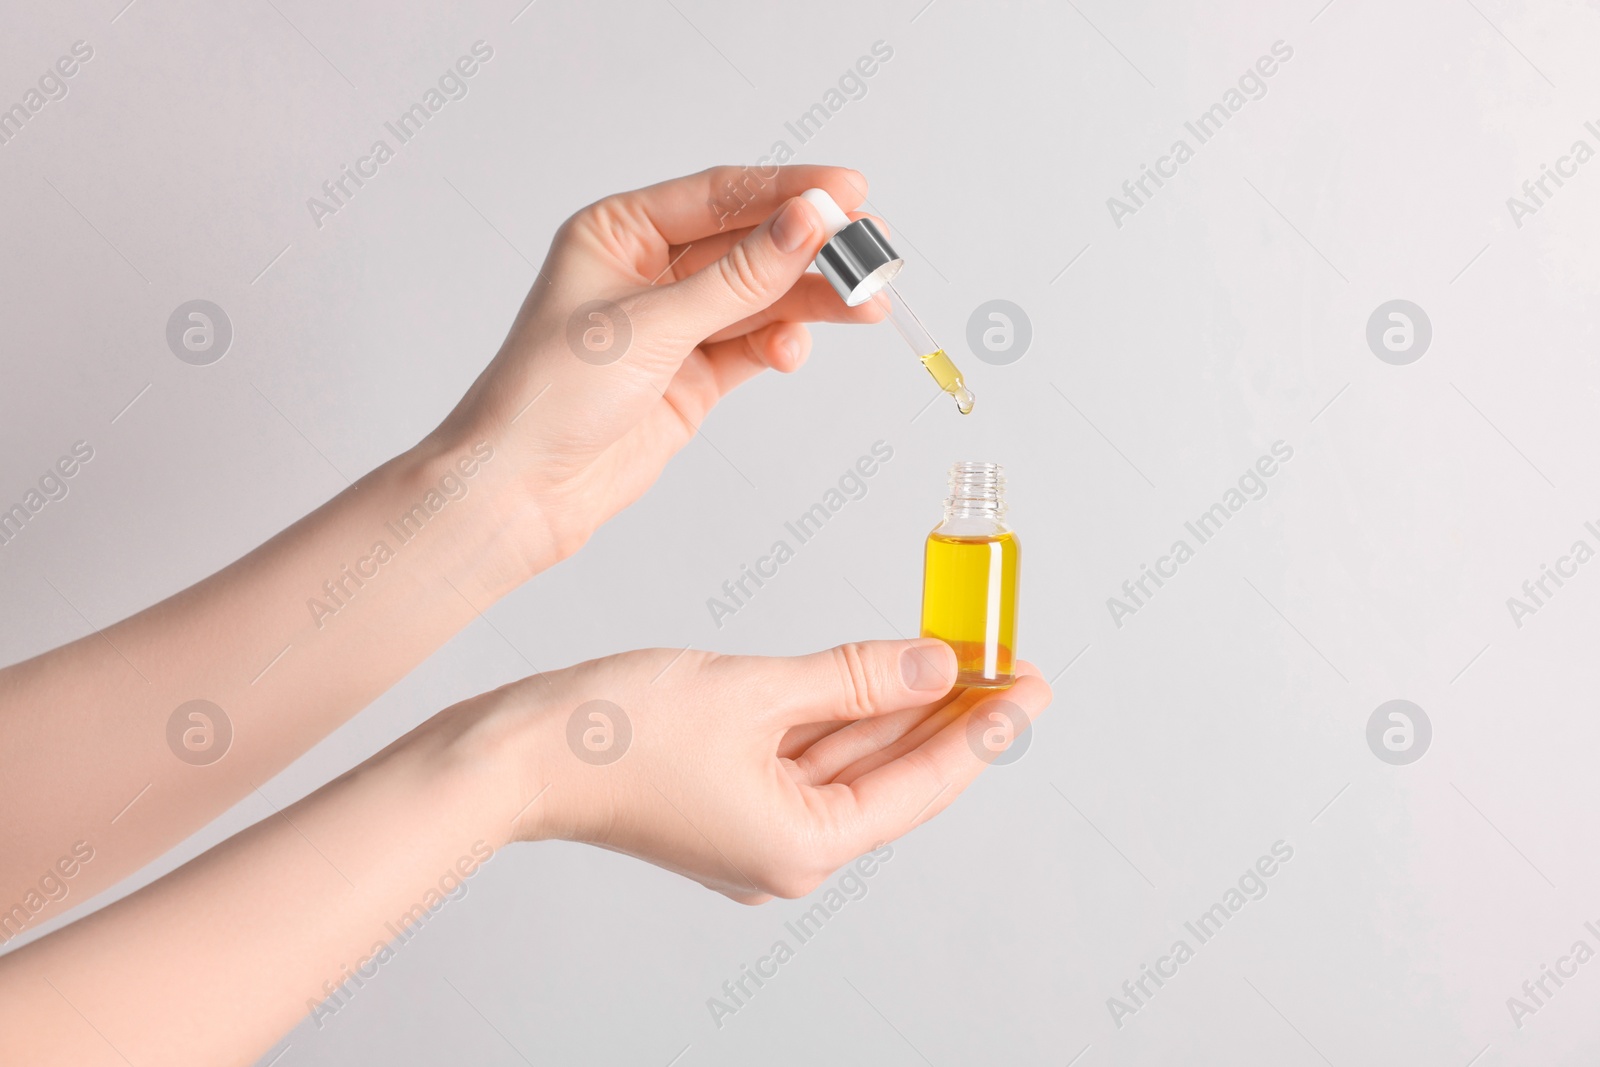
column 860, row 264
column 970, row 578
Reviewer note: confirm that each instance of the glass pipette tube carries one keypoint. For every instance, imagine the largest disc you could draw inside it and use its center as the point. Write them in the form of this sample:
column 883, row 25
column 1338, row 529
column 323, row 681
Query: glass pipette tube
column 929, row 351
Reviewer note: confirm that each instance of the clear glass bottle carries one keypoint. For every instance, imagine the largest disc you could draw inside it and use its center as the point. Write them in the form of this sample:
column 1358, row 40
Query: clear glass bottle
column 971, row 567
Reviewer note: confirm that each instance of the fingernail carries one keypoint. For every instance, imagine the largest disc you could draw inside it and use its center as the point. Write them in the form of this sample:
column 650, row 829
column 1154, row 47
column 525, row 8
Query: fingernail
column 792, row 228
column 925, row 667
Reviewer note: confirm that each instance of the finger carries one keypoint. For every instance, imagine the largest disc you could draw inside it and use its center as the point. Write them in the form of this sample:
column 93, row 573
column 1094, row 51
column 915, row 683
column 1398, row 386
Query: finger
column 686, row 259
column 866, row 762
column 852, row 681
column 702, row 380
column 713, row 371
column 698, row 205
column 843, row 747
column 782, row 346
column 797, row 739
column 914, row 788
column 811, row 299
column 752, row 275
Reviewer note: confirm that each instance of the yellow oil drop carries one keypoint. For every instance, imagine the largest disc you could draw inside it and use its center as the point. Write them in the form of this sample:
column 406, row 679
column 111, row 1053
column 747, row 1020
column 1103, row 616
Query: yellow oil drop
column 949, row 378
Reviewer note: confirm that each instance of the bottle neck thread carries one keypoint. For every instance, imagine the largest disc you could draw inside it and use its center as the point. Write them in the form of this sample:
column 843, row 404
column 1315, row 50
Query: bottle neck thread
column 977, row 491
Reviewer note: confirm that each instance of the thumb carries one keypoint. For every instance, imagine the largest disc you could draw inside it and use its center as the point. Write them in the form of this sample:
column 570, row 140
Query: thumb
column 754, row 273
column 858, row 680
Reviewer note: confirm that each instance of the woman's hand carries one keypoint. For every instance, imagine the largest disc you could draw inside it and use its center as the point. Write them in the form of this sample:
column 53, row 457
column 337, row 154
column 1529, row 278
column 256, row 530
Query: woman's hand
column 650, row 307
column 756, row 776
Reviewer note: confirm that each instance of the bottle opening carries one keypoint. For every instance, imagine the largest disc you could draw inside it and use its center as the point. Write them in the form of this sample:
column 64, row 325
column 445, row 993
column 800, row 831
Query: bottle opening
column 976, row 490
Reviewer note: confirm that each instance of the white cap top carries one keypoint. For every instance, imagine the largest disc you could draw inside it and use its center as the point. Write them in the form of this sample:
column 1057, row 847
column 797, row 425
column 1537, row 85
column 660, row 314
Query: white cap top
column 833, row 217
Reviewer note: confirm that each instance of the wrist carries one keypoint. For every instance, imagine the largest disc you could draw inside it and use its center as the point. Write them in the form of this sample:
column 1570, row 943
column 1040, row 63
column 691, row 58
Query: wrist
column 500, row 743
column 497, row 537
column 469, row 760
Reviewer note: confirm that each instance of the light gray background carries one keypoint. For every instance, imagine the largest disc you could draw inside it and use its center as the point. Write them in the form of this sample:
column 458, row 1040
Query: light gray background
column 1226, row 315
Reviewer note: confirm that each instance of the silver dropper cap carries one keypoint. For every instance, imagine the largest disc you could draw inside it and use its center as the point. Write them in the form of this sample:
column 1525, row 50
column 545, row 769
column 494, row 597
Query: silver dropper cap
column 858, row 261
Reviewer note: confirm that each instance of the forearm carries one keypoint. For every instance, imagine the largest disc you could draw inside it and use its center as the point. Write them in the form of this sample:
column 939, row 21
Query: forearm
column 288, row 642
column 214, row 962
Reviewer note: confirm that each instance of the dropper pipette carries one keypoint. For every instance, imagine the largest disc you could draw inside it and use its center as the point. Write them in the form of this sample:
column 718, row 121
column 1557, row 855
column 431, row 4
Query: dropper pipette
column 860, row 264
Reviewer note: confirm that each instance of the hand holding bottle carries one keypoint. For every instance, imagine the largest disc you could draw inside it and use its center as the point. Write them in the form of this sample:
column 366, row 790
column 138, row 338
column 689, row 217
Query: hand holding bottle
column 756, row 776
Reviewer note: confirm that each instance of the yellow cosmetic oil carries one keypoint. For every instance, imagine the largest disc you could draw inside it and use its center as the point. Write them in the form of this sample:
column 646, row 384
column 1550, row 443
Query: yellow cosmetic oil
column 949, row 378
column 971, row 568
